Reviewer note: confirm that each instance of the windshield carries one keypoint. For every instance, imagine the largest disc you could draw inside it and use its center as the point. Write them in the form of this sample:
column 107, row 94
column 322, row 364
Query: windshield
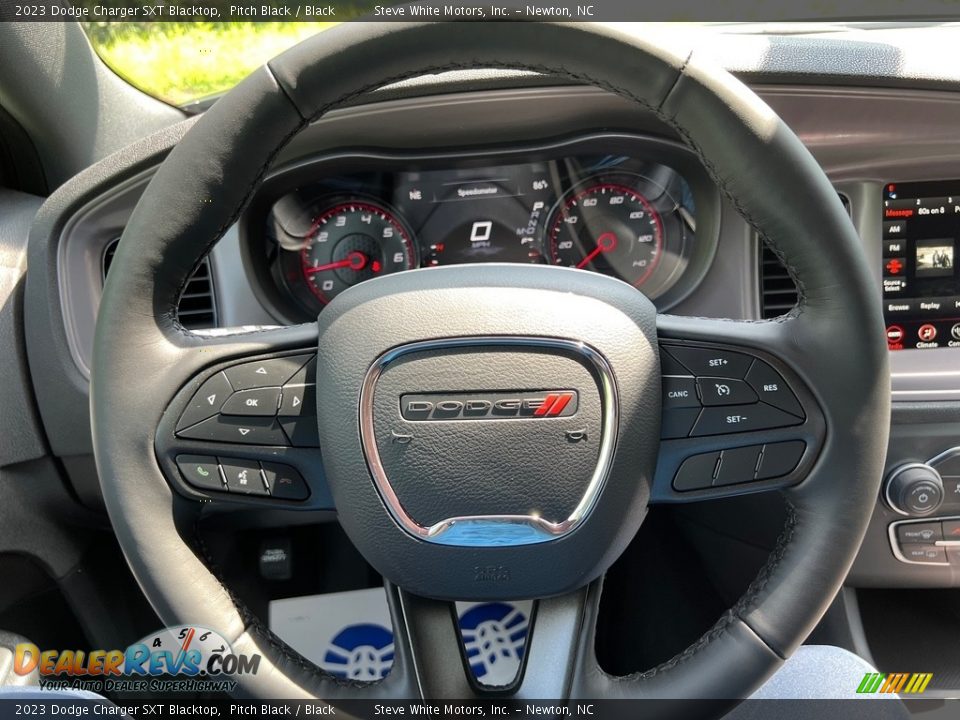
column 183, row 62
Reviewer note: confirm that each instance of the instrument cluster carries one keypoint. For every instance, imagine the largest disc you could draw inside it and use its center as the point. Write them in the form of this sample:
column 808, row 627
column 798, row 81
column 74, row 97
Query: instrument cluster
column 324, row 226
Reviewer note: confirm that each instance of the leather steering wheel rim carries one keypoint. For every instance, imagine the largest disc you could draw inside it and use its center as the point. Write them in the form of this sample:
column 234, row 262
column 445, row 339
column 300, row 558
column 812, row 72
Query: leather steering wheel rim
column 757, row 162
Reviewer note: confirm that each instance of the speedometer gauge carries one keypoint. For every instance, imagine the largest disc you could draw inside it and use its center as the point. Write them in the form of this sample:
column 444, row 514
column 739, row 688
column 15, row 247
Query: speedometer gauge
column 610, row 228
column 351, row 242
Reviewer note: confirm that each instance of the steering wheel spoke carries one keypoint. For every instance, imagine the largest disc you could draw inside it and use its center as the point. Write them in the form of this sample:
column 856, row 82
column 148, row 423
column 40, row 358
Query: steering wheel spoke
column 243, row 428
column 430, row 659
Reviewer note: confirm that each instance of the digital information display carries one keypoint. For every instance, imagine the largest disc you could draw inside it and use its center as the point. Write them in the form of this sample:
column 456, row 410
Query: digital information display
column 921, row 282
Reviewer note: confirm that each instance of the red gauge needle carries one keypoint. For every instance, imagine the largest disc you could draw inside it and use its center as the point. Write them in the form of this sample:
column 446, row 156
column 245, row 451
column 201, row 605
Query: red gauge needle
column 355, row 260
column 605, row 243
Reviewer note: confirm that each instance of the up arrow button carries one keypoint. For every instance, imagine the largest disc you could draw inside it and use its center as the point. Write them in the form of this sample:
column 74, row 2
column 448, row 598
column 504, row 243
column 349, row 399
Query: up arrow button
column 265, row 373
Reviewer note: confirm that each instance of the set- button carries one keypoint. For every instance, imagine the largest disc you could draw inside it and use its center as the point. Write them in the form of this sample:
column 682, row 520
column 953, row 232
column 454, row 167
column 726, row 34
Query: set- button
column 714, row 392
column 264, row 402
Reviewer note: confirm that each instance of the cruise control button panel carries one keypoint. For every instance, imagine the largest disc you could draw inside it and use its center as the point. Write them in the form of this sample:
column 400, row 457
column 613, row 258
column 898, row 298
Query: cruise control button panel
column 269, row 402
column 735, row 392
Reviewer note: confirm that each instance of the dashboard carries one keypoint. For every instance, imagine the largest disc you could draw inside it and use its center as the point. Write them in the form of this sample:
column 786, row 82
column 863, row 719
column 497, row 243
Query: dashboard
column 511, row 175
column 629, row 207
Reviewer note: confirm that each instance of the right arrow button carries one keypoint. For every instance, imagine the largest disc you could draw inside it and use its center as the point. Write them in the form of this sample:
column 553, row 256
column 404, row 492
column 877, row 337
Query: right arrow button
column 298, row 400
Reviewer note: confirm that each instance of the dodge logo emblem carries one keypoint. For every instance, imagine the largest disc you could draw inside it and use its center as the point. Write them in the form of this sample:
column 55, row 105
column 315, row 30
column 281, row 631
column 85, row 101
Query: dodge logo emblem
column 489, row 406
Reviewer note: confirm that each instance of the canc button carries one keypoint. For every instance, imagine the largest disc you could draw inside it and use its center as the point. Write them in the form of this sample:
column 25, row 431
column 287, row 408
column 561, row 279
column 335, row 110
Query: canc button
column 679, row 392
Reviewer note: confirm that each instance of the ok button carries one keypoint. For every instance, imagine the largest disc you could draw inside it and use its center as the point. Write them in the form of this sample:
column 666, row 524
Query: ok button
column 260, row 402
column 725, row 391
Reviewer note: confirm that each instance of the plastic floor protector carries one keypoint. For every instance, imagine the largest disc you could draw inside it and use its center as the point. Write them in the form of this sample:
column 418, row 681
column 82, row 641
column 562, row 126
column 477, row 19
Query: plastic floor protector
column 349, row 634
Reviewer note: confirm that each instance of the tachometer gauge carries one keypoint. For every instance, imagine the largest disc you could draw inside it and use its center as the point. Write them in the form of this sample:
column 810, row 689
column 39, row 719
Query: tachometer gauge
column 353, row 241
column 607, row 227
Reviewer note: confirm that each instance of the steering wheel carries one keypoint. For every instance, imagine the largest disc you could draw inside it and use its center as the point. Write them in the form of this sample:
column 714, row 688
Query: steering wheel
column 494, row 431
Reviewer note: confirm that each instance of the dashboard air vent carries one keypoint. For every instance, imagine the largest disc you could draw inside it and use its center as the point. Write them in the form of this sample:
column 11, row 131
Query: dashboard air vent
column 778, row 294
column 198, row 307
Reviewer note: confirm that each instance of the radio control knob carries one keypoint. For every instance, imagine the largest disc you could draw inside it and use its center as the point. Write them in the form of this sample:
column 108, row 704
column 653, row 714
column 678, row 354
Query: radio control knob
column 914, row 489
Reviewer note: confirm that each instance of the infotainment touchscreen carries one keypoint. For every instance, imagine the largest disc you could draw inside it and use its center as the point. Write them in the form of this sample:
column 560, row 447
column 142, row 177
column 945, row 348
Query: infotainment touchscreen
column 921, row 251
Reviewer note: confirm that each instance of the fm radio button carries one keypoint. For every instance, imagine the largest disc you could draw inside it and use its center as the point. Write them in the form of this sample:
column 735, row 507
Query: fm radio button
column 725, row 391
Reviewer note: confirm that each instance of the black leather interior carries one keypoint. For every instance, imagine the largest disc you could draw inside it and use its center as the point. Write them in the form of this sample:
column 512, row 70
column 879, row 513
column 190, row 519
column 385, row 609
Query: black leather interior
column 142, row 356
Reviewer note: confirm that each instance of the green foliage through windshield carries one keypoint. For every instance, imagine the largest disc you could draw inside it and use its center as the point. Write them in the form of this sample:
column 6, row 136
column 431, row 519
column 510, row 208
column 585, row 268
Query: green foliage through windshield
column 180, row 62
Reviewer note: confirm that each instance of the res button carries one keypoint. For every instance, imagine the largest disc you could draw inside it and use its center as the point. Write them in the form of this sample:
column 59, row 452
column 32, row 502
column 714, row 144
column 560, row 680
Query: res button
column 772, row 388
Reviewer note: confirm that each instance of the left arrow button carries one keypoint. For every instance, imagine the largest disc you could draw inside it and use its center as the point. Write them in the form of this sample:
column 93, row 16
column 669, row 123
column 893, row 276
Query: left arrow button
column 206, row 401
